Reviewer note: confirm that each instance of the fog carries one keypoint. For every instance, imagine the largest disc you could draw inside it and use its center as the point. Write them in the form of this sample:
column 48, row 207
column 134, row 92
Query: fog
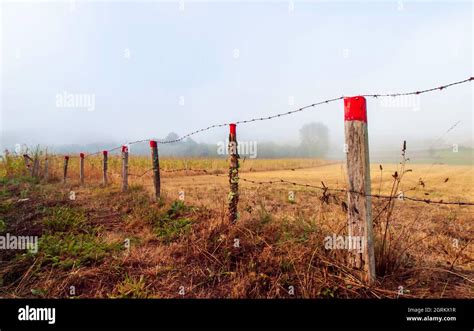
column 105, row 73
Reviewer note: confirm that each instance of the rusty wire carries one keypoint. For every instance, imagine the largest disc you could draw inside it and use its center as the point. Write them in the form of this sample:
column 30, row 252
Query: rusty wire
column 439, row 88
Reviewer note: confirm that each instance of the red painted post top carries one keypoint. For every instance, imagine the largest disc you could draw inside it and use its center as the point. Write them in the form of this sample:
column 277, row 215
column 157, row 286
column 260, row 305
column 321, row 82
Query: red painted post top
column 355, row 109
column 232, row 128
column 124, row 149
column 153, row 144
column 66, row 157
column 81, row 155
column 105, row 153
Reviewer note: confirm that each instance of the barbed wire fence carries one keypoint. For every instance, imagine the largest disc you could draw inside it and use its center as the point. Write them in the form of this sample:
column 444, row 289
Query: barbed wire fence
column 325, row 188
column 358, row 166
column 278, row 115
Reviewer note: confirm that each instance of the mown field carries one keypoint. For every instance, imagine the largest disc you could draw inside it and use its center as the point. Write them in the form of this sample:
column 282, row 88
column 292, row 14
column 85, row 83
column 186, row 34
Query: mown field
column 111, row 244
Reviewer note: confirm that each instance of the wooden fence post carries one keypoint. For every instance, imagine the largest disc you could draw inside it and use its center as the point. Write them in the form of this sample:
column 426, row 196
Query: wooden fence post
column 359, row 200
column 81, row 167
column 28, row 165
column 104, row 168
column 35, row 170
column 46, row 167
column 66, row 162
column 124, row 168
column 233, row 174
column 156, row 167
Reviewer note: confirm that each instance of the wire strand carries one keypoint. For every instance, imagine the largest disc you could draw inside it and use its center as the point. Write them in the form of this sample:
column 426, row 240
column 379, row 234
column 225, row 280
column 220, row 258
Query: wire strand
column 439, row 88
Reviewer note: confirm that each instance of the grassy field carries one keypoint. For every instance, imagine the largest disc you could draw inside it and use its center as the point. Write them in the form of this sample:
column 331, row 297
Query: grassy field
column 451, row 156
column 106, row 243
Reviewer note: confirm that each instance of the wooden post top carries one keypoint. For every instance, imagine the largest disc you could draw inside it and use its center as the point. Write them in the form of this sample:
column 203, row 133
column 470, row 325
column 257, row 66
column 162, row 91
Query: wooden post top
column 81, row 155
column 232, row 128
column 105, row 153
column 124, row 149
column 153, row 144
column 355, row 109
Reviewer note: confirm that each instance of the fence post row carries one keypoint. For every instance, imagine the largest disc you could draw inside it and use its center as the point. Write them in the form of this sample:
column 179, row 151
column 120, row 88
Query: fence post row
column 359, row 202
column 66, row 162
column 81, row 167
column 104, row 176
column 233, row 174
column 124, row 168
column 156, row 167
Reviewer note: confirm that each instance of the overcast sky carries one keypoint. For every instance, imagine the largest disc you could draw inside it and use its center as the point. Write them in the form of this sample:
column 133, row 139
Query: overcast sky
column 156, row 67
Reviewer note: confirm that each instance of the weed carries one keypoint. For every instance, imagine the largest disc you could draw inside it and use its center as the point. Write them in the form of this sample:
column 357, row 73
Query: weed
column 262, row 218
column 327, row 292
column 6, row 207
column 286, row 265
column 64, row 219
column 171, row 229
column 132, row 288
column 172, row 224
column 39, row 292
column 68, row 250
column 177, row 209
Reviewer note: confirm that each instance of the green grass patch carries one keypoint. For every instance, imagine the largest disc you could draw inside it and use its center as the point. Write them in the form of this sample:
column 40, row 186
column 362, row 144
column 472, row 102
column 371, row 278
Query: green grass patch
column 296, row 230
column 68, row 250
column 174, row 223
column 131, row 288
column 262, row 218
column 64, row 219
column 69, row 241
column 6, row 207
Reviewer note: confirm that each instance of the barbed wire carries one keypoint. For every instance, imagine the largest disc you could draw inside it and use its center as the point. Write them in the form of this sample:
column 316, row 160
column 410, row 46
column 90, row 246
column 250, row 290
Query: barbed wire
column 326, row 188
column 379, row 196
column 318, row 104
column 169, row 171
column 184, row 169
column 439, row 88
column 323, row 187
column 162, row 170
column 119, row 147
column 141, row 175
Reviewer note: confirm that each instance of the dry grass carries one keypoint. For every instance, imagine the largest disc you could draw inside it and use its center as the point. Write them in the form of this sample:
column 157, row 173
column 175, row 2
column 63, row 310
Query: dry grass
column 190, row 249
column 140, row 164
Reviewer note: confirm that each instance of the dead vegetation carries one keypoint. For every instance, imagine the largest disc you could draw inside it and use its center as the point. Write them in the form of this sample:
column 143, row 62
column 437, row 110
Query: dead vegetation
column 110, row 244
